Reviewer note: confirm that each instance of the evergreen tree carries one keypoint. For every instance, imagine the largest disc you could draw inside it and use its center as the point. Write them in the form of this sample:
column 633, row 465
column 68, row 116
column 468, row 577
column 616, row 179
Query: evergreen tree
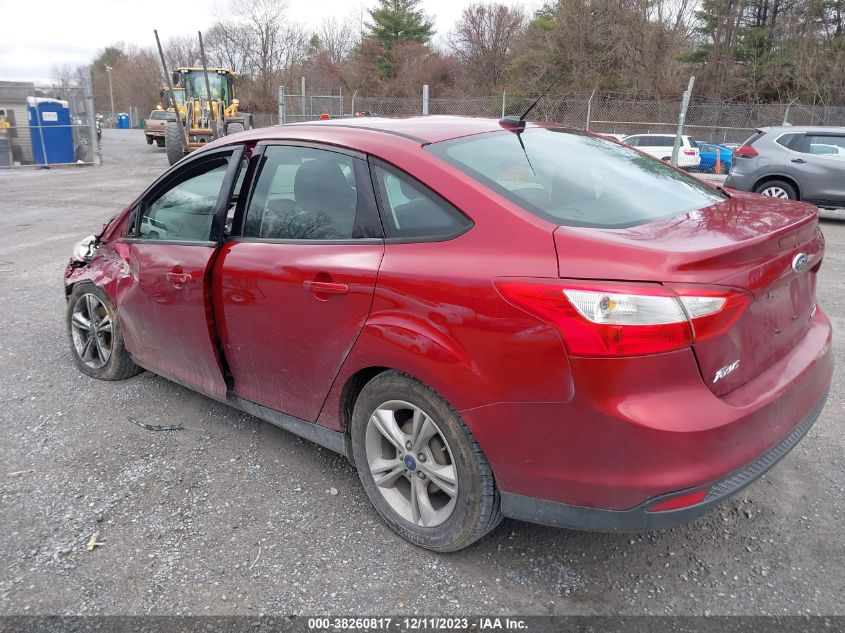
column 399, row 21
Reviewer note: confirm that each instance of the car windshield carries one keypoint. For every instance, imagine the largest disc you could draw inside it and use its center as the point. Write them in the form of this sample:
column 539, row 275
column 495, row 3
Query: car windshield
column 573, row 179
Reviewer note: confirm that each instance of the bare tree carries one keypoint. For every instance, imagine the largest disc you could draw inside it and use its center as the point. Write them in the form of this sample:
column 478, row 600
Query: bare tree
column 227, row 45
column 483, row 39
column 337, row 38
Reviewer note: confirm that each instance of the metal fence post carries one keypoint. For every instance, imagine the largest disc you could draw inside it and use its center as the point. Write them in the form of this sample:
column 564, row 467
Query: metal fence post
column 281, row 105
column 352, row 112
column 302, row 96
column 589, row 109
column 681, row 118
column 425, row 100
column 88, row 93
column 786, row 114
column 503, row 104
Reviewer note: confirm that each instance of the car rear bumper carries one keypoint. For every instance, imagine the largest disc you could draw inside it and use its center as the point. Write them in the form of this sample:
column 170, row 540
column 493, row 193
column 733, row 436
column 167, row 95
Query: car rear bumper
column 641, row 430
column 639, row 518
column 735, row 180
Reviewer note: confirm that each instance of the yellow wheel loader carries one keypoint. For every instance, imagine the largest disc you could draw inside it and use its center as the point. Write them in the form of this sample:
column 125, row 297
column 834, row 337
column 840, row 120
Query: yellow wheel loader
column 210, row 109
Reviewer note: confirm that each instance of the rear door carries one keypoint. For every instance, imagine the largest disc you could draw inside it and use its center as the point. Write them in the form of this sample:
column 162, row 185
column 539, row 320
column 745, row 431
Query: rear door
column 296, row 282
column 165, row 311
column 818, row 164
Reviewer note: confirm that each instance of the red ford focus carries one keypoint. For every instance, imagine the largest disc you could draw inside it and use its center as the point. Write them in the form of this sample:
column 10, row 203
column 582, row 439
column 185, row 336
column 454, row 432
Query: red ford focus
column 488, row 318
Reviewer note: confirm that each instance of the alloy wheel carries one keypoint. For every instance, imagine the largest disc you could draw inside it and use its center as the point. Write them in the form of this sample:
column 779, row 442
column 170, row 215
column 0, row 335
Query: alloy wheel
column 411, row 463
column 91, row 330
column 774, row 192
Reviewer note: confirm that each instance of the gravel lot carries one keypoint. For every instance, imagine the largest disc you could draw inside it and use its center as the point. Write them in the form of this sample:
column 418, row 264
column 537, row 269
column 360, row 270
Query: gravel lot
column 234, row 516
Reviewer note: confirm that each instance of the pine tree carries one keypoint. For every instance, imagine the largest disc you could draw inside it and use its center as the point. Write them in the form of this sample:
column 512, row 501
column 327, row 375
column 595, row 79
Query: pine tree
column 398, row 21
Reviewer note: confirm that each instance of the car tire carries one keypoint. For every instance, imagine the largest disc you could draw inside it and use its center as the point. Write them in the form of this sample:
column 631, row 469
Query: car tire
column 777, row 189
column 443, row 452
column 98, row 352
column 173, row 143
column 149, row 140
column 666, row 159
column 160, row 142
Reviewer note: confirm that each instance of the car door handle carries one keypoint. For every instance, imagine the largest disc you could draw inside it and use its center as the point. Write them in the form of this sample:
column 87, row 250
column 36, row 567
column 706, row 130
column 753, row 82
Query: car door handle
column 325, row 287
column 178, row 279
column 800, row 161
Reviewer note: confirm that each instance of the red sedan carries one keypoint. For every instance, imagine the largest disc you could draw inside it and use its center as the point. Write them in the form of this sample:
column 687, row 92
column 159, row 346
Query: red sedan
column 488, row 318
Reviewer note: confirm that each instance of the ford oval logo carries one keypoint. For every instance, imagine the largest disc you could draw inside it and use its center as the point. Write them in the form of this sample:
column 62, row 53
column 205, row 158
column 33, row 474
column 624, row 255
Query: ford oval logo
column 799, row 262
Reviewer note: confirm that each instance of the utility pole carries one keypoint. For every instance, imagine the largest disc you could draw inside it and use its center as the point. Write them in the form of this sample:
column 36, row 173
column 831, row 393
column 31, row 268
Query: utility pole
column 111, row 95
column 681, row 118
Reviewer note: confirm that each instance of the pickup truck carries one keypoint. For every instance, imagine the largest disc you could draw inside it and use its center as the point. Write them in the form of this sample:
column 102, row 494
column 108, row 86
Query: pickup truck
column 154, row 126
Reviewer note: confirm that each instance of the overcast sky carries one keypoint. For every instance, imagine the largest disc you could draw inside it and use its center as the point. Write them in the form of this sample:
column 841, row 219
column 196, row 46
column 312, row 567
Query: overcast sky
column 34, row 36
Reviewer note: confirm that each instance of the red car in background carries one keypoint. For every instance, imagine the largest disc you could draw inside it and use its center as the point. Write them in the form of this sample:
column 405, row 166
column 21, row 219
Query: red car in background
column 488, row 318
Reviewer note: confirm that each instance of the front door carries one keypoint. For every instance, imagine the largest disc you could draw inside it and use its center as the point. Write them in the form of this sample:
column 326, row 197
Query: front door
column 294, row 289
column 165, row 310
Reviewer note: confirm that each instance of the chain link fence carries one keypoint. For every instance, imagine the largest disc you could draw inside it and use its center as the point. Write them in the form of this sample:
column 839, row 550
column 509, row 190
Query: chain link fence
column 717, row 122
column 47, row 125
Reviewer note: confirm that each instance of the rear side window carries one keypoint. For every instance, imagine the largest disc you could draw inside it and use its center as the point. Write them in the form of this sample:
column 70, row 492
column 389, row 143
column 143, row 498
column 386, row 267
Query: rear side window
column 569, row 178
column 825, row 144
column 163, row 115
column 790, row 141
column 411, row 211
column 304, row 193
column 751, row 139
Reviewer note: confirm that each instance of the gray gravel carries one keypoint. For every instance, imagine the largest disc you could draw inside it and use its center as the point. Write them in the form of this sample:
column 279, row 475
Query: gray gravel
column 234, row 516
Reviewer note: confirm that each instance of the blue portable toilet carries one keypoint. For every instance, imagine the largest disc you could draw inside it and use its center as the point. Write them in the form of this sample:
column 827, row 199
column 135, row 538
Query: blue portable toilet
column 50, row 131
column 122, row 121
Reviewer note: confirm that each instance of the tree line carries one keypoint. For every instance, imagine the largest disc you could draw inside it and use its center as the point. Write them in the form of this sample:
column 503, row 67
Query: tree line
column 739, row 50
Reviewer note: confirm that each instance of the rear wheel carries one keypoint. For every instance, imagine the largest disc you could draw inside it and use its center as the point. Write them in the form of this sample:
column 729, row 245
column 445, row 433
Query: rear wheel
column 160, row 141
column 95, row 338
column 234, row 128
column 420, row 466
column 149, row 140
column 777, row 189
column 174, row 144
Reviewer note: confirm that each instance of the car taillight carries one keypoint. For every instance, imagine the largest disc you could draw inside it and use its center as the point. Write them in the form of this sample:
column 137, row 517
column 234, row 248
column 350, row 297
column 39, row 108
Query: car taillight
column 746, row 151
column 689, row 152
column 626, row 319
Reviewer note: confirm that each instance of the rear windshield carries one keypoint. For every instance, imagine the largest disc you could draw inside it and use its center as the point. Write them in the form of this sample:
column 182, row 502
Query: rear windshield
column 162, row 115
column 573, row 179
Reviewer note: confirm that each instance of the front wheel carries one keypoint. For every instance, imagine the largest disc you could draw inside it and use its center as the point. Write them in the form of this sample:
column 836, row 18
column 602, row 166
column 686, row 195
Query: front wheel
column 777, row 189
column 174, row 144
column 95, row 338
column 149, row 140
column 420, row 466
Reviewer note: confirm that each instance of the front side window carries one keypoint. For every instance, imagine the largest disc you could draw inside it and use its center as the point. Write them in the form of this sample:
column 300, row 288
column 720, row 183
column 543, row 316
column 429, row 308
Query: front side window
column 184, row 212
column 572, row 179
column 304, row 193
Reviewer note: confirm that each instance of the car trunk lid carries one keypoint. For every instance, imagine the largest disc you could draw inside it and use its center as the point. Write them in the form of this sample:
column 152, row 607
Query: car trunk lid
column 747, row 242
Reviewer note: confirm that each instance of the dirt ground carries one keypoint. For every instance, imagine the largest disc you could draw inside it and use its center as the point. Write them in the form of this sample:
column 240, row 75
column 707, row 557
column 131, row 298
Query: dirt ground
column 234, row 516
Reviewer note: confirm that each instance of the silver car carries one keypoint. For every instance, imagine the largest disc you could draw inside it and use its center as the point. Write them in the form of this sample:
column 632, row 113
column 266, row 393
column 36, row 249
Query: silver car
column 797, row 162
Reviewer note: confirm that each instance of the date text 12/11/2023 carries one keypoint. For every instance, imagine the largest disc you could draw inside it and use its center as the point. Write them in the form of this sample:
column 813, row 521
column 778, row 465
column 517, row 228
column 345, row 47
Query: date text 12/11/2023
column 423, row 623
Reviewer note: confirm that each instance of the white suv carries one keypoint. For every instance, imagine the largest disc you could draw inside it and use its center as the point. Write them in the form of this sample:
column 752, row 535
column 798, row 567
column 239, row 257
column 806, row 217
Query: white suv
column 660, row 146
